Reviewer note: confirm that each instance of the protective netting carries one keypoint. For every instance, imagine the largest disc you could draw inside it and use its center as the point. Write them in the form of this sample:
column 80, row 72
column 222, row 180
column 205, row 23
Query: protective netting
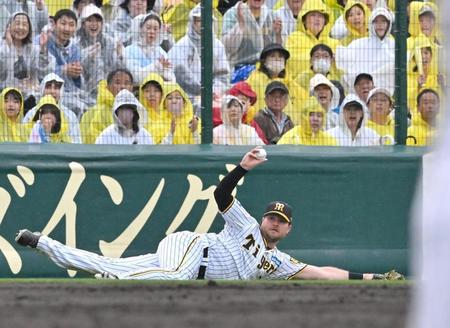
column 307, row 72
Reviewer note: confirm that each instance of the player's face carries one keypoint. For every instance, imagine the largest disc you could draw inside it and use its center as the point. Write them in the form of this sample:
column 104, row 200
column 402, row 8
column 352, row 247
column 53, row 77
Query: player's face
column 274, row 228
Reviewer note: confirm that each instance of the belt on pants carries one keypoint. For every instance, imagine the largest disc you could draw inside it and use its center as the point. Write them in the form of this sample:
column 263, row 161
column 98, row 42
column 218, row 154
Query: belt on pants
column 203, row 265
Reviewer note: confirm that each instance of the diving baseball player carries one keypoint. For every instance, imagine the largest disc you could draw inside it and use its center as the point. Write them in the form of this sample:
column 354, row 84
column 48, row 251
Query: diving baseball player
column 244, row 249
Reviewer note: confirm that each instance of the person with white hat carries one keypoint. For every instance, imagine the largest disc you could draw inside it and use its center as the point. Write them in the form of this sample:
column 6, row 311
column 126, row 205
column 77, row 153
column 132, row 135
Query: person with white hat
column 100, row 53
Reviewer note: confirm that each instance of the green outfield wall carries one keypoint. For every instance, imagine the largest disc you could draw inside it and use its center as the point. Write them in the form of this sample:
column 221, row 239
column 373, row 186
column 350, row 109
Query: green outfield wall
column 351, row 205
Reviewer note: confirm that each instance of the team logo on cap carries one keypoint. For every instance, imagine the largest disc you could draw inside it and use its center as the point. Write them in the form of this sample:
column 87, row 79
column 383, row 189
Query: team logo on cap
column 279, row 207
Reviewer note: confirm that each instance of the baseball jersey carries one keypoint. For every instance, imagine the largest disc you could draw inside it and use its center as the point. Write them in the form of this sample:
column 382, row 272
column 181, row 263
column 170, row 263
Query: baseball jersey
column 239, row 251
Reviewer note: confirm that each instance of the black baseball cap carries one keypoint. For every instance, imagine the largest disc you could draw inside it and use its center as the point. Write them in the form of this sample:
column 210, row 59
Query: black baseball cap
column 362, row 76
column 353, row 103
column 276, row 85
column 274, row 47
column 282, row 209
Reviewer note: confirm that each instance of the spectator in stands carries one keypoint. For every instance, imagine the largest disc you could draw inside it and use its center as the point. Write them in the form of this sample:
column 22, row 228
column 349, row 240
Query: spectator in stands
column 22, row 63
column 127, row 129
column 272, row 120
column 336, row 8
column 53, row 85
column 178, row 17
column 127, row 11
column 247, row 96
column 423, row 21
column 351, row 130
column 309, row 132
column 380, row 106
column 247, row 28
column 271, row 67
column 328, row 97
column 233, row 131
column 100, row 54
column 68, row 59
column 321, row 62
column 145, row 54
column 424, row 125
column 313, row 27
column 185, row 58
column 151, row 94
column 49, row 126
column 340, row 30
column 363, row 84
column 36, row 11
column 182, row 125
column 11, row 113
column 99, row 117
column 374, row 54
column 423, row 72
column 288, row 14
column 356, row 17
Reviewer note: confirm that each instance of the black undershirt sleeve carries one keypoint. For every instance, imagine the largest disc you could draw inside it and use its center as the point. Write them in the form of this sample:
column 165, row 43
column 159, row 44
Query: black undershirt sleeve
column 222, row 194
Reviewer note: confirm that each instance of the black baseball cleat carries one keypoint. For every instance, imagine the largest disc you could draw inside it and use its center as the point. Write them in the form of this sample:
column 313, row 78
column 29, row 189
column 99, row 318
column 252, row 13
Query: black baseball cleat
column 27, row 238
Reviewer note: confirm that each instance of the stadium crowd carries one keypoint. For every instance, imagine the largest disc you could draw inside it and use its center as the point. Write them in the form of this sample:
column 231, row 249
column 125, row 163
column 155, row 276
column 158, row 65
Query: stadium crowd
column 309, row 72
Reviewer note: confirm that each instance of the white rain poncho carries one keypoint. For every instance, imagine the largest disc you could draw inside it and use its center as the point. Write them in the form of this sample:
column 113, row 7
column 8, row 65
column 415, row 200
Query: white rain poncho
column 289, row 21
column 333, row 108
column 71, row 118
column 142, row 58
column 229, row 133
column 98, row 55
column 372, row 55
column 243, row 46
column 23, row 67
column 38, row 18
column 117, row 133
column 185, row 58
column 364, row 136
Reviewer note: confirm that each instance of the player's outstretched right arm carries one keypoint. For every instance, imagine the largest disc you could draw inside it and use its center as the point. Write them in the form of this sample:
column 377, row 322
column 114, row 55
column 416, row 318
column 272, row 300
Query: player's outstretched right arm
column 222, row 194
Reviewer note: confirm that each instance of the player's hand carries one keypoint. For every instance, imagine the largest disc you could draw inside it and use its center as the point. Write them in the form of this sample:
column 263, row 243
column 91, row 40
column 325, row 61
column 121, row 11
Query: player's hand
column 250, row 160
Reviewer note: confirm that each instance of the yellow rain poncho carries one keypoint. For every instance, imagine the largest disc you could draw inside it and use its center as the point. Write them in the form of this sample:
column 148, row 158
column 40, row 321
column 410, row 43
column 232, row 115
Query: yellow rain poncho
column 98, row 117
column 300, row 42
column 258, row 81
column 420, row 133
column 414, row 24
column 59, row 136
column 415, row 70
column 12, row 129
column 353, row 33
column 182, row 134
column 303, row 134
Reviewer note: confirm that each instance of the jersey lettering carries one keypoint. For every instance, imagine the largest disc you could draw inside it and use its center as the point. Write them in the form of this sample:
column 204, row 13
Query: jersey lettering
column 266, row 265
column 251, row 242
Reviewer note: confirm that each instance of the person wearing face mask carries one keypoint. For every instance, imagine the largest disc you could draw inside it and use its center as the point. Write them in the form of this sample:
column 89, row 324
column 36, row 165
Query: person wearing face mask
column 272, row 67
column 233, row 131
column 181, row 126
column 321, row 62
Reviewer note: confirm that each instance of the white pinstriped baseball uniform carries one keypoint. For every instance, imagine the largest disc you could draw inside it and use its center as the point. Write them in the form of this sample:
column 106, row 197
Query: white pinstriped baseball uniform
column 238, row 252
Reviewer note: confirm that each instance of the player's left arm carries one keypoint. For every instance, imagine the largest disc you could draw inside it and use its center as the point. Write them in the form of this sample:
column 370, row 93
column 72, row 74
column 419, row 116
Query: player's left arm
column 311, row 272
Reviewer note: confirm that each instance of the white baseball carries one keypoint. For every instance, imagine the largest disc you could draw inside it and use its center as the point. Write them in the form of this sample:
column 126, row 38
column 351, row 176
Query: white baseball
column 261, row 153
